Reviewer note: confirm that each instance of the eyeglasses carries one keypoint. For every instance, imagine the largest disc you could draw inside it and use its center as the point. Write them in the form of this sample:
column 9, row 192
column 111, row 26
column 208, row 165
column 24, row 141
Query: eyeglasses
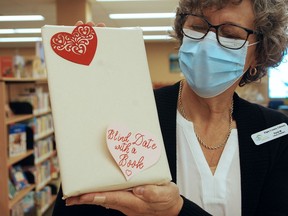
column 228, row 35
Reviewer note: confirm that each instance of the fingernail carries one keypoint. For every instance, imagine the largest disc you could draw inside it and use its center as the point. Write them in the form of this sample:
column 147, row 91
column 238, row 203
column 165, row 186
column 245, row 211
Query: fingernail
column 98, row 199
column 67, row 203
column 139, row 190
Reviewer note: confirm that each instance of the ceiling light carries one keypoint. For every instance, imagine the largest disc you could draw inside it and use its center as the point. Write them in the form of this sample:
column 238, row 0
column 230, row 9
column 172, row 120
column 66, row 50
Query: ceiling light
column 20, row 39
column 157, row 37
column 121, row 0
column 152, row 28
column 21, row 18
column 20, row 31
column 156, row 28
column 142, row 16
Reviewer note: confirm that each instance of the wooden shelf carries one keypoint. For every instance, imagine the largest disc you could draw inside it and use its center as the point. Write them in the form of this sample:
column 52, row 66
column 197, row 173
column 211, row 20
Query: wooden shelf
column 18, row 118
column 13, row 79
column 13, row 160
column 48, row 111
column 45, row 157
column 41, row 185
column 43, row 135
column 46, row 207
column 20, row 195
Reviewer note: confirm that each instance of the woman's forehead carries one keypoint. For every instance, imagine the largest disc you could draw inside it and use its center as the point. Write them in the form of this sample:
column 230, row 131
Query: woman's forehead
column 241, row 14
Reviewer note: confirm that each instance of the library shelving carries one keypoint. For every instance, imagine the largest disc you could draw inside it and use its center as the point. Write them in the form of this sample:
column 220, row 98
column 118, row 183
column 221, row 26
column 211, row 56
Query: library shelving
column 39, row 159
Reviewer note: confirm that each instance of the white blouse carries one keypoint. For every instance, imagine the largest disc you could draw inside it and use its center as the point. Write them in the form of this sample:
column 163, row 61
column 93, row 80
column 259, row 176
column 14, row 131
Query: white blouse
column 218, row 194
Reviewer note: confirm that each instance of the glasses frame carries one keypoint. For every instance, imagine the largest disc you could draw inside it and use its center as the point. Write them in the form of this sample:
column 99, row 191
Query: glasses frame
column 216, row 27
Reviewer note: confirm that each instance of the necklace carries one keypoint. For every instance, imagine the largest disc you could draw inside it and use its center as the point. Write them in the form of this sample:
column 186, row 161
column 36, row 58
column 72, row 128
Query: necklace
column 182, row 111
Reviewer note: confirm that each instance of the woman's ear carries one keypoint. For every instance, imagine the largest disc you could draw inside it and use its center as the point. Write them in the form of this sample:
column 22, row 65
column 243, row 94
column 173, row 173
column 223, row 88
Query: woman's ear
column 254, row 63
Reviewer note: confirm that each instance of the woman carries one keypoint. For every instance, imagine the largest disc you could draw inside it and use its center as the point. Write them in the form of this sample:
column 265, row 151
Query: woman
column 218, row 168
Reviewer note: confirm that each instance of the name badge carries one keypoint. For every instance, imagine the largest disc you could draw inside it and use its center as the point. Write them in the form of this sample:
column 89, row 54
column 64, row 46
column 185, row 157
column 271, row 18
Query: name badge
column 270, row 134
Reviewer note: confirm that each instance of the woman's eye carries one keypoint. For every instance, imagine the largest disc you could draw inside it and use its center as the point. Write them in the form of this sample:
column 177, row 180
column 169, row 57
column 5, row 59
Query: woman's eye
column 233, row 32
column 230, row 35
column 199, row 28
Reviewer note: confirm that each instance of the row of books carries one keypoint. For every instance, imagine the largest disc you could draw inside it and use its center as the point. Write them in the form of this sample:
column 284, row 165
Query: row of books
column 37, row 97
column 19, row 138
column 43, row 173
column 43, row 197
column 40, row 174
column 22, row 67
column 28, row 202
column 26, row 207
column 41, row 125
column 17, row 180
column 17, row 210
column 21, row 176
column 43, row 148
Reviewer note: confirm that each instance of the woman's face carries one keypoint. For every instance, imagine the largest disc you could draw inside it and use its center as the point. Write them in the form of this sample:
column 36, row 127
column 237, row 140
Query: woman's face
column 242, row 15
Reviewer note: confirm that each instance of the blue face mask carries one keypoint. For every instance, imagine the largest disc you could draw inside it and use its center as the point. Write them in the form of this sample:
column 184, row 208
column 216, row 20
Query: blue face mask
column 209, row 68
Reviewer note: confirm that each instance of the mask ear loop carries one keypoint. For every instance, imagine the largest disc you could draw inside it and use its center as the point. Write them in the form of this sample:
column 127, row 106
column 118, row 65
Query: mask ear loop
column 253, row 43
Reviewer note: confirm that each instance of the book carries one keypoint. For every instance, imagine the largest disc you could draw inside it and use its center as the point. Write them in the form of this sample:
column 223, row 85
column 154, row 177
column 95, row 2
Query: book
column 106, row 124
column 19, row 65
column 6, row 66
column 17, row 210
column 12, row 189
column 43, row 148
column 18, row 177
column 17, row 139
column 39, row 64
column 43, row 197
column 54, row 167
column 28, row 202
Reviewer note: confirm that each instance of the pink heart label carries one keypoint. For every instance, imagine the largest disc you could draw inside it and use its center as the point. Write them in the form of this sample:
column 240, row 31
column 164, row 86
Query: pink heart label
column 132, row 151
column 78, row 47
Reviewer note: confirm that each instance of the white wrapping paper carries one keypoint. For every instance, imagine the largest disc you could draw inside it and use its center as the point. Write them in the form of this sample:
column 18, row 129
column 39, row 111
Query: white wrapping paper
column 88, row 97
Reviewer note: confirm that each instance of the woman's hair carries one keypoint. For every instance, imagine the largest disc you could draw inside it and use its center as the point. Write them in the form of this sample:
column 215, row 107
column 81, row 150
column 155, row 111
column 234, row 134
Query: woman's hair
column 271, row 21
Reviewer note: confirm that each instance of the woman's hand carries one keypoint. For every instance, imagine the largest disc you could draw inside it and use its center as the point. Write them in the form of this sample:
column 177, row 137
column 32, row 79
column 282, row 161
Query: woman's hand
column 91, row 24
column 148, row 200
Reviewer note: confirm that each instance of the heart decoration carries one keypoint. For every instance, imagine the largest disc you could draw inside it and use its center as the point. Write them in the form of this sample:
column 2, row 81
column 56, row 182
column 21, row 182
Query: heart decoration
column 132, row 151
column 78, row 47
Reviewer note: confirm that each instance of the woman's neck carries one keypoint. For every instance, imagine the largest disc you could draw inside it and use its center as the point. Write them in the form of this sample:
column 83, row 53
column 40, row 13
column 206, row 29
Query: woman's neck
column 206, row 109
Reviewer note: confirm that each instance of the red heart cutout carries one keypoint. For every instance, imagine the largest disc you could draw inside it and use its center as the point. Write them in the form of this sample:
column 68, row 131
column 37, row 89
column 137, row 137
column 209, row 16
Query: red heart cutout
column 78, row 47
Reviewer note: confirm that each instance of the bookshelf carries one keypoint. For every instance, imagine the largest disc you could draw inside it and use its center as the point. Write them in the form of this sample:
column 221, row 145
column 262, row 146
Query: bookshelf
column 21, row 195
column 14, row 160
column 9, row 89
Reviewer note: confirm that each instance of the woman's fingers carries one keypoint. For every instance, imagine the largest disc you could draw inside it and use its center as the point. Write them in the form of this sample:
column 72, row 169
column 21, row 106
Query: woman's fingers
column 100, row 25
column 144, row 200
column 90, row 24
column 79, row 23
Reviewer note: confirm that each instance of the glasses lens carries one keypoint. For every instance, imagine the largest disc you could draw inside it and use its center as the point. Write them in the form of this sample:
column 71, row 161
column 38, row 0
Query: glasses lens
column 232, row 36
column 195, row 27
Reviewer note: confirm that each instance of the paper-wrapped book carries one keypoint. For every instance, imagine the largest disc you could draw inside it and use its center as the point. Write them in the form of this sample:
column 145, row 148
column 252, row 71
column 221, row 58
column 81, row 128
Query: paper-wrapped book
column 105, row 118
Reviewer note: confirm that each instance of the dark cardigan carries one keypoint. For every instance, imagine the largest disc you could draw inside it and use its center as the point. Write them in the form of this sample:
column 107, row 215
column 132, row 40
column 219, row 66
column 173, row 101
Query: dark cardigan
column 264, row 168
